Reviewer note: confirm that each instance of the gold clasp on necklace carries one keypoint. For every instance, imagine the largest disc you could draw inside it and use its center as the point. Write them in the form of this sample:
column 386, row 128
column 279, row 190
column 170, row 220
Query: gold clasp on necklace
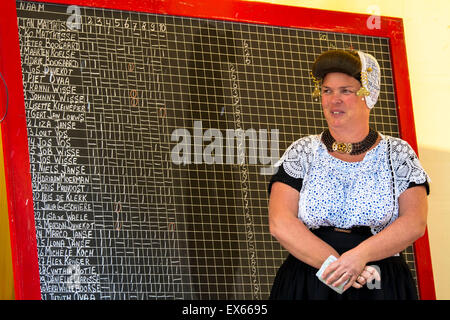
column 342, row 147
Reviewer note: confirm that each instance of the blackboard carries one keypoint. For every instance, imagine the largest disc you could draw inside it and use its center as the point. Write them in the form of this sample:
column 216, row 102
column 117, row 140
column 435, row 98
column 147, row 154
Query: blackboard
column 150, row 140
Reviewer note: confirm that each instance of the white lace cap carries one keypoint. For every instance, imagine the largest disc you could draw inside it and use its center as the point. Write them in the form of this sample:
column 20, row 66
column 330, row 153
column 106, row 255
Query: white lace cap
column 370, row 77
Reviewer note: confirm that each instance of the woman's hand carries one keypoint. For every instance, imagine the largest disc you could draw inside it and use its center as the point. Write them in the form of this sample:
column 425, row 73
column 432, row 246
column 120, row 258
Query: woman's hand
column 367, row 275
column 347, row 268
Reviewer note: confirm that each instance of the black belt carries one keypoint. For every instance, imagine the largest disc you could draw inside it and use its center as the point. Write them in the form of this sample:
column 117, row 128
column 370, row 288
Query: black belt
column 356, row 229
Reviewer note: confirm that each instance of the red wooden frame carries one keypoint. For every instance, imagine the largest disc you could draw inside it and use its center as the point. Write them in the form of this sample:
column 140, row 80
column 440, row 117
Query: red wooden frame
column 15, row 144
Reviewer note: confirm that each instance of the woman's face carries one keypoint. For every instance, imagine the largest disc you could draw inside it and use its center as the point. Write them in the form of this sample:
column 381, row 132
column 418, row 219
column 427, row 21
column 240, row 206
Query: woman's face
column 341, row 106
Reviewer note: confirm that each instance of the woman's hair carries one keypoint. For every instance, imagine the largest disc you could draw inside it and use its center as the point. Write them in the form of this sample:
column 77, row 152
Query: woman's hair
column 347, row 62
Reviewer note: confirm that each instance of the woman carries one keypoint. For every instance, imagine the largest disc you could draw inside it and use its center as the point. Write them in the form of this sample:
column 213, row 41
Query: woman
column 349, row 192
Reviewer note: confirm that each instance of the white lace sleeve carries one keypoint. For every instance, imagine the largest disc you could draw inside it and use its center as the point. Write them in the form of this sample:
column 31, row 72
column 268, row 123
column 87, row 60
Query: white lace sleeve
column 406, row 165
column 297, row 158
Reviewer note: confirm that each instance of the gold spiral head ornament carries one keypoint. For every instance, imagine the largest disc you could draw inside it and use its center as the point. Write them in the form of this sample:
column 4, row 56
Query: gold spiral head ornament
column 316, row 92
column 363, row 90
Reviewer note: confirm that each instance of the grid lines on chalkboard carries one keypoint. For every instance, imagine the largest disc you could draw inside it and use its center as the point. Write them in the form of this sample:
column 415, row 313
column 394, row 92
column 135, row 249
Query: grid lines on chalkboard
column 170, row 230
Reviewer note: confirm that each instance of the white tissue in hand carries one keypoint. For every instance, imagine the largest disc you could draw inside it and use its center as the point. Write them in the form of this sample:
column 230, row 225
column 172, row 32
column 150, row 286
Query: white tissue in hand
column 330, row 259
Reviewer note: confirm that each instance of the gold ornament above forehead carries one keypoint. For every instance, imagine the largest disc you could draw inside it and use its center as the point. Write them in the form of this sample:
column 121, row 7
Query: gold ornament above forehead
column 361, row 92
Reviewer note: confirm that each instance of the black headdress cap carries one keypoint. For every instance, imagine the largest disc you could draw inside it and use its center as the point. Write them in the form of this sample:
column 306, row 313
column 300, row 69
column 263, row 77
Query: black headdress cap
column 343, row 61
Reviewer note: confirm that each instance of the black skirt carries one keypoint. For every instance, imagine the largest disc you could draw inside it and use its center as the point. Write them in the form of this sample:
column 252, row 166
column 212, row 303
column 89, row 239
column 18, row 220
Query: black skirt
column 296, row 280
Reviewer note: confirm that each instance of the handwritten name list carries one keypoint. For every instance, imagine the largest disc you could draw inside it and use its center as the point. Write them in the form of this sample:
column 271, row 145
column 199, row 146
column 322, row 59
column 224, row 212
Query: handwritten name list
column 99, row 154
column 55, row 112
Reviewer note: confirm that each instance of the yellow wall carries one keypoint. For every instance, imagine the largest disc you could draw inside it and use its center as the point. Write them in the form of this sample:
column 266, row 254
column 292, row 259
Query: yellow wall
column 427, row 34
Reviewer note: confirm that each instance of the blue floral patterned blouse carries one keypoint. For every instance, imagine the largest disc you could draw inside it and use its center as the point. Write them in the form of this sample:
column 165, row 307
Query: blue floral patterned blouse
column 344, row 194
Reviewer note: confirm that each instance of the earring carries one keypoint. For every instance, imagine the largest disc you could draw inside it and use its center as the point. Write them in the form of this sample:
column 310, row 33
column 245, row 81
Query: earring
column 316, row 92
